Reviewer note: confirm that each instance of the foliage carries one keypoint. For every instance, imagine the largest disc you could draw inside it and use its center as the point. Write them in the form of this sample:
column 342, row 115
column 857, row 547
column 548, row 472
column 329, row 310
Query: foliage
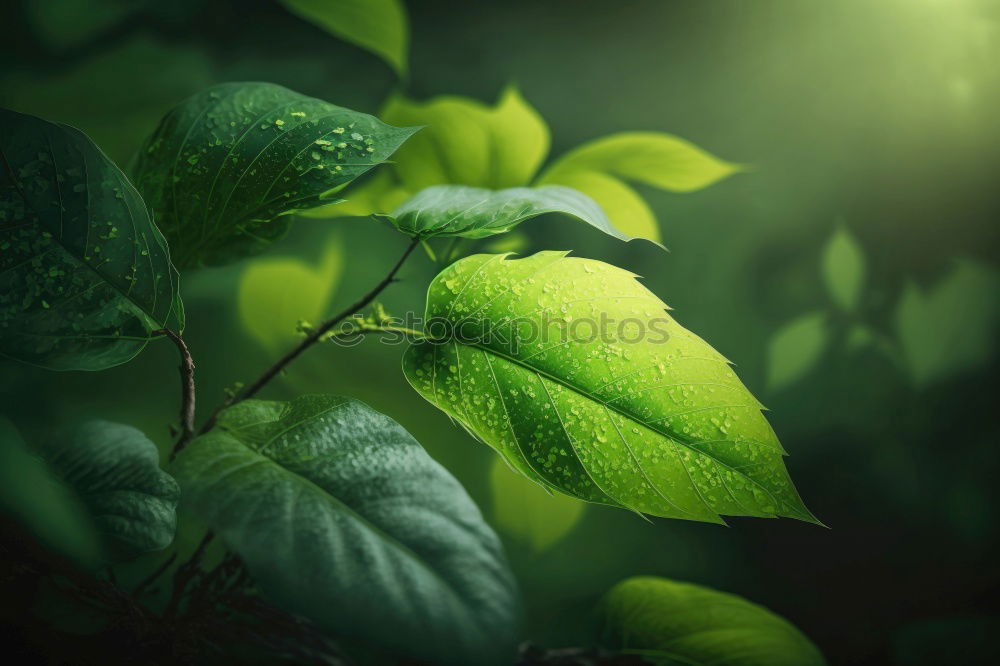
column 85, row 276
column 293, row 487
column 226, row 167
column 679, row 623
column 639, row 414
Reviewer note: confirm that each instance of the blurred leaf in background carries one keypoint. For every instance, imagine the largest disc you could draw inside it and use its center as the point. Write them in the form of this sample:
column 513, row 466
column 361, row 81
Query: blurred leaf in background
column 527, row 512
column 947, row 640
column 276, row 293
column 844, row 268
column 63, row 24
column 795, row 349
column 950, row 327
column 379, row 26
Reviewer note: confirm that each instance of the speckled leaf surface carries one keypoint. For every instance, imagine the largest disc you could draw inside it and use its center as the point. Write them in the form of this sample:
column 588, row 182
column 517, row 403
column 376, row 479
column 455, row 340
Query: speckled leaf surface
column 227, row 165
column 672, row 623
column 636, row 413
column 341, row 516
column 114, row 470
column 84, row 273
column 474, row 212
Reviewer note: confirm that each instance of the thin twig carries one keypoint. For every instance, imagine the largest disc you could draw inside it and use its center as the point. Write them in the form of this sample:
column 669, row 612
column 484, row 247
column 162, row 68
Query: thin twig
column 151, row 578
column 313, row 337
column 186, row 573
column 187, row 390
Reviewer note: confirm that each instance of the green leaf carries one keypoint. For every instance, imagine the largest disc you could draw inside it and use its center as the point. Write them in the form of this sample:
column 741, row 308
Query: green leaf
column 795, row 349
column 33, row 496
column 527, row 512
column 227, row 166
column 276, row 294
column 379, row 26
column 622, row 204
column 378, row 194
column 652, row 158
column 577, row 376
column 115, row 470
column 679, row 623
column 951, row 327
column 84, row 274
column 844, row 268
column 342, row 517
column 468, row 143
column 473, row 212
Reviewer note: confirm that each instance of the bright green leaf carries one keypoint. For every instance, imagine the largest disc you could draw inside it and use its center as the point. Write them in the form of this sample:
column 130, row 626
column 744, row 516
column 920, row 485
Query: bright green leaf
column 379, row 26
column 671, row 623
column 226, row 167
column 844, row 268
column 576, row 375
column 950, row 327
column 85, row 276
column 378, row 194
column 115, row 470
column 342, row 517
column 33, row 496
column 627, row 210
column 529, row 513
column 795, row 349
column 473, row 212
column 652, row 158
column 468, row 143
column 276, row 294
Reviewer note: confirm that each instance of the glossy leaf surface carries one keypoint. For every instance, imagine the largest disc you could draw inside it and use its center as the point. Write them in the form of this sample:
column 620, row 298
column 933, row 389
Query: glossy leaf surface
column 474, row 212
column 341, row 516
column 672, row 623
column 84, row 274
column 574, row 372
column 226, row 166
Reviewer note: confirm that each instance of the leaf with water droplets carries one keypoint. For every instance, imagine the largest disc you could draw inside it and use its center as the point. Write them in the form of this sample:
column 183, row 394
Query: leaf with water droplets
column 668, row 622
column 85, row 276
column 342, row 517
column 227, row 166
column 575, row 374
column 115, row 471
column 474, row 212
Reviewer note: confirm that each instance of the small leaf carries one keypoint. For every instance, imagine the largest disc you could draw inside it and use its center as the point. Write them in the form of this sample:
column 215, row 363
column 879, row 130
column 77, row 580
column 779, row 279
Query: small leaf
column 379, row 26
column 844, row 268
column 529, row 513
column 85, row 276
column 227, row 166
column 668, row 623
column 276, row 294
column 951, row 327
column 795, row 348
column 115, row 470
column 468, row 143
column 652, row 158
column 342, row 517
column 575, row 374
column 378, row 194
column 473, row 212
column 623, row 205
column 33, row 496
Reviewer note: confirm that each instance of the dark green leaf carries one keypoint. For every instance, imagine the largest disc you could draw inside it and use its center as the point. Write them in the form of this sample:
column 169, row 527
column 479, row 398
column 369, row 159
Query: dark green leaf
column 473, row 212
column 33, row 496
column 577, row 376
column 84, row 274
column 226, row 166
column 378, row 26
column 115, row 471
column 671, row 623
column 342, row 517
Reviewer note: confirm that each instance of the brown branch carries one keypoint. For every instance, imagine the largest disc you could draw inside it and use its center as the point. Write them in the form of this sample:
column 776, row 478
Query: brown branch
column 311, row 339
column 187, row 390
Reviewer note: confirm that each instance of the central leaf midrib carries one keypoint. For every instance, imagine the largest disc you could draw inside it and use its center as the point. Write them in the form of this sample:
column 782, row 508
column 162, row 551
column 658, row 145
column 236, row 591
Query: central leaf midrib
column 622, row 412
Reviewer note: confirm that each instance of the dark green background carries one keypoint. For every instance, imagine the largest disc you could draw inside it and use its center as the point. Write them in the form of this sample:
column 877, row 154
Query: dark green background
column 881, row 114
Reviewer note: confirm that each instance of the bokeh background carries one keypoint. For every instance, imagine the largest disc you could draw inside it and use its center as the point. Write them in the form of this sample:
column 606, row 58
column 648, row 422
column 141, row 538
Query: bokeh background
column 871, row 129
